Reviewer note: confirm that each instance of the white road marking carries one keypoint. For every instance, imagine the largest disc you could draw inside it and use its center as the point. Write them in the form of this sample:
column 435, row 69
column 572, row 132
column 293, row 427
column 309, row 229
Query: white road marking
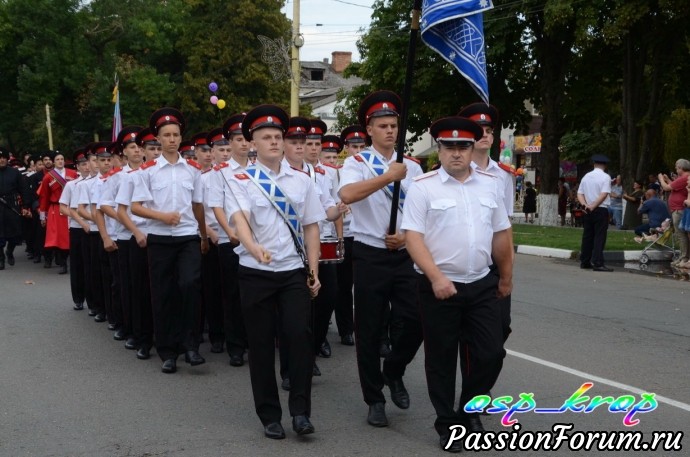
column 591, row 377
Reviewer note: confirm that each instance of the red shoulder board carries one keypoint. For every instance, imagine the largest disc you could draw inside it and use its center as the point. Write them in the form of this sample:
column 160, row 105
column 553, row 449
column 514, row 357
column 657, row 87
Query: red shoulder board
column 412, row 159
column 301, row 171
column 115, row 170
column 506, row 168
column 331, row 166
column 320, row 170
column 194, row 164
column 221, row 166
column 242, row 176
column 148, row 164
column 358, row 158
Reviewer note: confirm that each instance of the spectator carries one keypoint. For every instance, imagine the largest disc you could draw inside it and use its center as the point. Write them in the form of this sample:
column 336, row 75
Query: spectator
column 656, row 212
column 685, row 222
column 631, row 217
column 678, row 194
column 529, row 206
column 616, row 206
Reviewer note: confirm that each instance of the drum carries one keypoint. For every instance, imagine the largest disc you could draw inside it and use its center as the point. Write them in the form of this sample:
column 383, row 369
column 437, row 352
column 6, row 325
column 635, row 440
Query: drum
column 332, row 251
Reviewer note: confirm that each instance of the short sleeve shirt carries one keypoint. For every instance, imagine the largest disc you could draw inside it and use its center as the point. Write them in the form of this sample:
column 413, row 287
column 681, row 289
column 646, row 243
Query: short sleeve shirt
column 593, row 184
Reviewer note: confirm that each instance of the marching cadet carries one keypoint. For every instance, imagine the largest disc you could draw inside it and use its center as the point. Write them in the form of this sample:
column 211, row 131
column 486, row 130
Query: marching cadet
column 78, row 230
column 92, row 270
column 383, row 271
column 276, row 210
column 219, row 199
column 13, row 199
column 353, row 138
column 459, row 296
column 140, row 286
column 187, row 150
column 171, row 189
column 210, row 263
column 126, row 144
column 56, row 229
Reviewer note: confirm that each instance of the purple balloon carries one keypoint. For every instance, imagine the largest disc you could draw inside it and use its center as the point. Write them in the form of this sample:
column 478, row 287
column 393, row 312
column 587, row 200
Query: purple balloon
column 213, row 87
column 214, row 99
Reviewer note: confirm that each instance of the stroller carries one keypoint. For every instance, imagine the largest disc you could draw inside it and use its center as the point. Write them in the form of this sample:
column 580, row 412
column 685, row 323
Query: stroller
column 660, row 238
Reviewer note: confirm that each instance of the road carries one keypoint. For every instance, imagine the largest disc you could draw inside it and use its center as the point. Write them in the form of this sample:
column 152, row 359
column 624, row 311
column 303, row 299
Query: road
column 68, row 389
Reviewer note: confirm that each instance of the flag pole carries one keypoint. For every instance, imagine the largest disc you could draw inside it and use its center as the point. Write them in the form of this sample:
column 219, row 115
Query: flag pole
column 406, row 95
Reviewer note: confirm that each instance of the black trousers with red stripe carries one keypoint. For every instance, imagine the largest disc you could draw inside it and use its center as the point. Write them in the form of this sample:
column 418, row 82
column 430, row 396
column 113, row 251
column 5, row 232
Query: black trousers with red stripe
column 472, row 316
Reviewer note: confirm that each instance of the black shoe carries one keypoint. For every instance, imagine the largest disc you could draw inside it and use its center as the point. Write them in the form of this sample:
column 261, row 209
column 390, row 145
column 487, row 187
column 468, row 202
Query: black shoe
column 455, row 446
column 384, row 350
column 48, row 263
column 144, row 353
column 63, row 269
column 131, row 343
column 347, row 340
column 274, row 431
column 78, row 306
column 37, row 259
column 399, row 394
column 169, row 366
column 474, row 423
column 315, row 371
column 193, row 358
column 100, row 317
column 217, row 347
column 92, row 312
column 2, row 264
column 325, row 349
column 10, row 258
column 113, row 327
column 302, row 426
column 236, row 360
column 377, row 415
column 119, row 334
column 285, row 385
column 586, row 266
column 602, row 268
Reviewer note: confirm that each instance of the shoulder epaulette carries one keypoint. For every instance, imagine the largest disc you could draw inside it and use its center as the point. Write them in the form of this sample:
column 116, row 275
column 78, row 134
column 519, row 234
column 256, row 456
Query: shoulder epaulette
column 194, row 163
column 332, row 166
column 242, row 176
column 482, row 172
column 358, row 158
column 506, row 168
column 320, row 170
column 425, row 175
column 412, row 159
column 221, row 166
column 148, row 164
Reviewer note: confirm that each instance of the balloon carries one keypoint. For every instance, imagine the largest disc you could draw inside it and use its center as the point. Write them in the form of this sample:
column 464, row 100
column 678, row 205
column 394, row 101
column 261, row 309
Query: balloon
column 220, row 104
column 213, row 87
column 213, row 99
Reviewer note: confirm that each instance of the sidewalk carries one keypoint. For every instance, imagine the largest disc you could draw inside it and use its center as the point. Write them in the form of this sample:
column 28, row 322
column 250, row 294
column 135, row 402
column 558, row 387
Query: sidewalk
column 609, row 256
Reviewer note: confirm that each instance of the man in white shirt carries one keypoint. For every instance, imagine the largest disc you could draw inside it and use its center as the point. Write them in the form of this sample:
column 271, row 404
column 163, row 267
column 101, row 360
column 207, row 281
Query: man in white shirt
column 593, row 195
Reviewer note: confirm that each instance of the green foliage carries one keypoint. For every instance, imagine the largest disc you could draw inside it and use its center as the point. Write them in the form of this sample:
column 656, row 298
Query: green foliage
column 676, row 145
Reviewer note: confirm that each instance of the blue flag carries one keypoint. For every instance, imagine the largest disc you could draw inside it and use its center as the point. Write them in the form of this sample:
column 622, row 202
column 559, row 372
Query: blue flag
column 455, row 29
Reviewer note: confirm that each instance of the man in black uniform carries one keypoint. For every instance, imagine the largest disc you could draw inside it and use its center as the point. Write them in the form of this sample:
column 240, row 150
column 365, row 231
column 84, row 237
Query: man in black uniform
column 13, row 199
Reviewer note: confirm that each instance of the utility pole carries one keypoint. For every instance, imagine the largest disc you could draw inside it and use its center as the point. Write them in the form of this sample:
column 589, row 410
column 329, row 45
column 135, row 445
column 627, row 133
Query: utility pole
column 297, row 42
column 49, row 127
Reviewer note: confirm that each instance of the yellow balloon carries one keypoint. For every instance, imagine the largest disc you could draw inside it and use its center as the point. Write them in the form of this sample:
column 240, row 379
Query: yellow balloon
column 220, row 104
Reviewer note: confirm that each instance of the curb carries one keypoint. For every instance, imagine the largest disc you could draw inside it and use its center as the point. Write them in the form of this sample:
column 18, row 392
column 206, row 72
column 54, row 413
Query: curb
column 611, row 256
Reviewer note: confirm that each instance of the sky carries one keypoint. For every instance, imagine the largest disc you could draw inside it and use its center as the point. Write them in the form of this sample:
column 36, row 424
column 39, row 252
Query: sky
column 339, row 26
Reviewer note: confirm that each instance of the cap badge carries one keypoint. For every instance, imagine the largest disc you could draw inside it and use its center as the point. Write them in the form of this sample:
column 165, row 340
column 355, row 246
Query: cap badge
column 482, row 117
column 299, row 129
column 270, row 119
column 357, row 134
column 385, row 106
column 455, row 133
column 167, row 118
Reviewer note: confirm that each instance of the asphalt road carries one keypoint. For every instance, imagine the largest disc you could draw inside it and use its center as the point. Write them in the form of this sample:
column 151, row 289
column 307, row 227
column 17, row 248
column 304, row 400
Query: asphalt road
column 68, row 389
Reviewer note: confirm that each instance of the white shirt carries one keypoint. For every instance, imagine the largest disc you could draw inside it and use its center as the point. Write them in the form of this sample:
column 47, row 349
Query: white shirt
column 170, row 187
column 593, row 184
column 269, row 228
column 69, row 195
column 324, row 189
column 371, row 216
column 506, row 185
column 124, row 197
column 85, row 198
column 219, row 195
column 458, row 220
column 109, row 188
column 209, row 216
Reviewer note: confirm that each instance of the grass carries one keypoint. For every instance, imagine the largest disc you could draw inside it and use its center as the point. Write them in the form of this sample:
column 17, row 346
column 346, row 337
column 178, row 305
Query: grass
column 570, row 238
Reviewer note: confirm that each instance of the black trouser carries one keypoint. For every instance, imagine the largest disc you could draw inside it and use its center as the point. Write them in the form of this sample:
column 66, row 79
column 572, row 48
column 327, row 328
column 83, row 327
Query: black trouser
column 98, row 295
column 262, row 293
column 595, row 225
column 343, row 305
column 86, row 271
column 123, row 247
column 233, row 324
column 384, row 277
column 473, row 316
column 140, row 294
column 212, row 302
column 324, row 303
column 175, row 271
column 39, row 236
column 77, row 281
column 110, row 279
